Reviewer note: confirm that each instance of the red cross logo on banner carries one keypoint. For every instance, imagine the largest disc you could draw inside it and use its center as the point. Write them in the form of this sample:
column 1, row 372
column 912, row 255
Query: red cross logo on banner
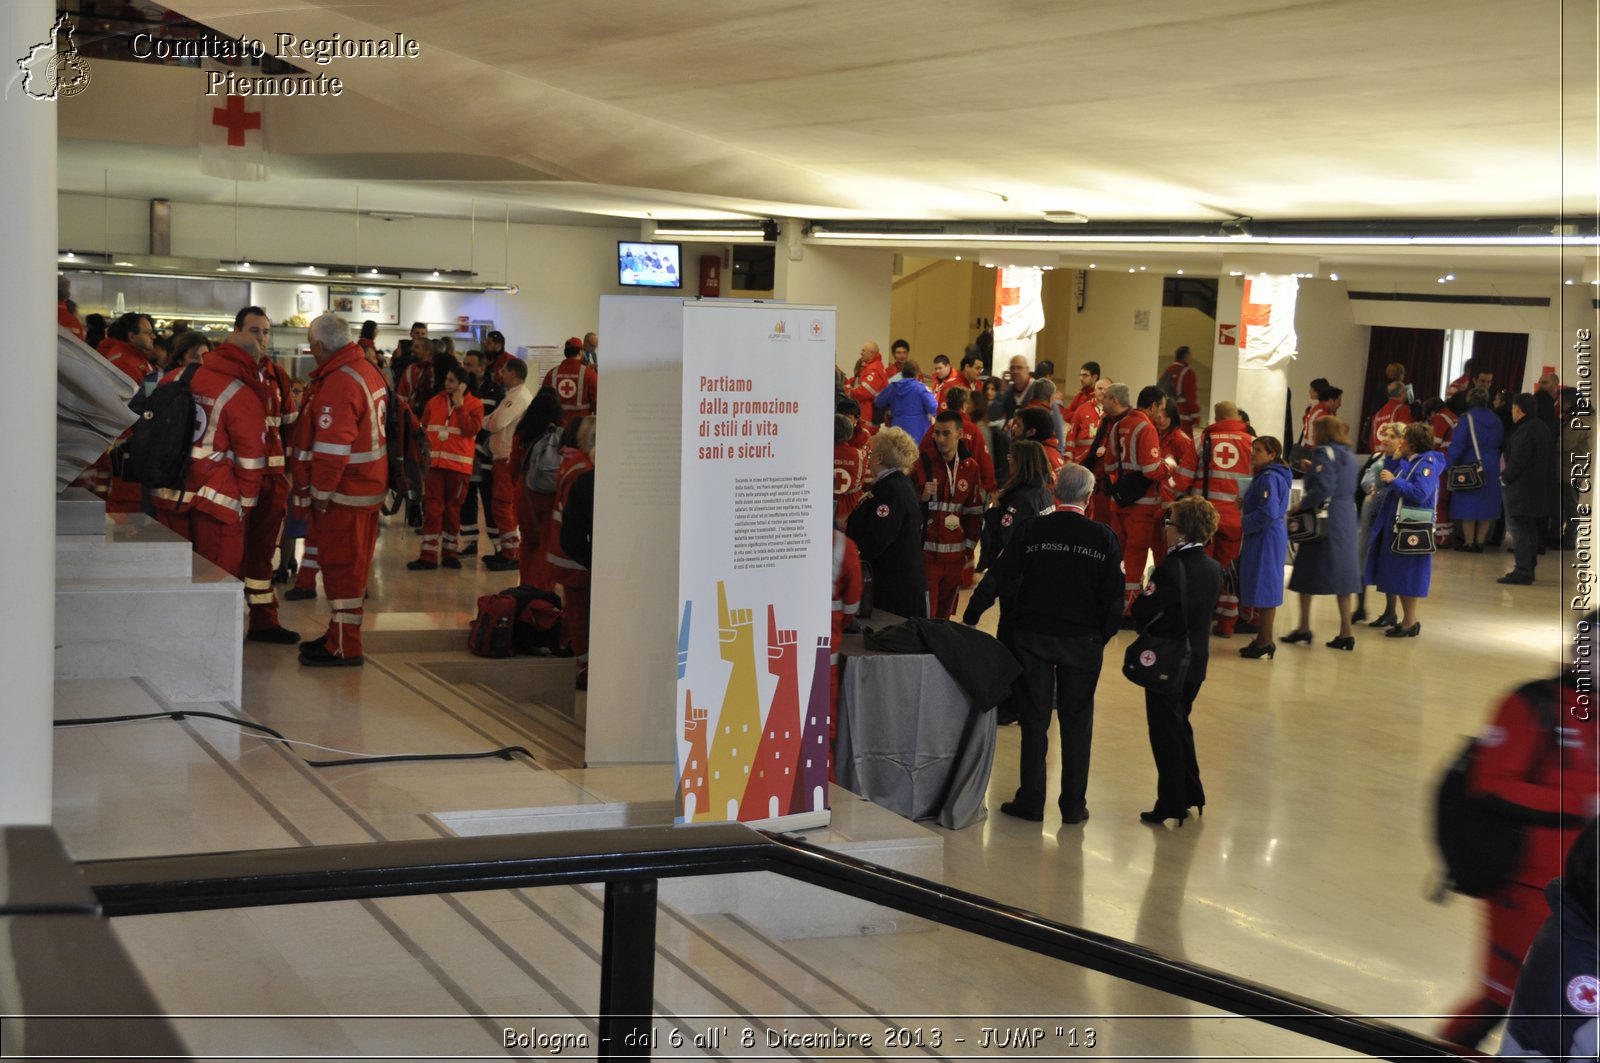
column 1256, row 314
column 236, row 119
column 1003, row 297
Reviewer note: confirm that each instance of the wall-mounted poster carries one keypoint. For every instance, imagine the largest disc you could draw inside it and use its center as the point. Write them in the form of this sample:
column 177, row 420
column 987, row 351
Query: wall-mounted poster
column 305, row 301
column 358, row 304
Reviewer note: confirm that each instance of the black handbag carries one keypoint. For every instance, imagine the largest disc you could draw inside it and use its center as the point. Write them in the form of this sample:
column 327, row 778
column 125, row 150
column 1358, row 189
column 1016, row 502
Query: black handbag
column 1129, row 488
column 1307, row 525
column 1413, row 527
column 1468, row 476
column 1157, row 663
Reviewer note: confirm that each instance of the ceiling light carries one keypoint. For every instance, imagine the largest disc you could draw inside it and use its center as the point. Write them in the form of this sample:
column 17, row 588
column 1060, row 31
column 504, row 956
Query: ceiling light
column 71, row 255
column 958, row 258
column 1569, row 280
column 1066, row 217
column 244, row 265
column 726, row 232
column 435, row 273
column 1180, row 273
column 1236, row 273
column 311, row 270
column 1141, row 269
column 1130, row 269
column 1333, row 276
column 1449, row 276
column 1091, row 265
column 1441, row 281
column 372, row 272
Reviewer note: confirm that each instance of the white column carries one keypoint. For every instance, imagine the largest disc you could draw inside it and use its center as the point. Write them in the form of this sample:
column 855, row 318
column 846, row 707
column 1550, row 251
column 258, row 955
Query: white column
column 27, row 481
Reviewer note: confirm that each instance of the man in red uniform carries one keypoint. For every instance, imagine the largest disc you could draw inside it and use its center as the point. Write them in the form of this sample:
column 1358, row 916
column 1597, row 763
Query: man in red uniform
column 496, row 357
column 952, row 501
column 956, row 399
column 943, row 378
column 1472, row 376
column 1180, row 382
column 129, row 345
column 1085, row 423
column 870, row 379
column 572, row 576
column 263, row 524
column 1178, row 451
column 1133, row 471
column 1036, row 424
column 1088, row 377
column 575, row 383
column 849, row 467
column 341, row 473
column 1396, row 410
column 229, row 456
column 1224, row 470
column 64, row 315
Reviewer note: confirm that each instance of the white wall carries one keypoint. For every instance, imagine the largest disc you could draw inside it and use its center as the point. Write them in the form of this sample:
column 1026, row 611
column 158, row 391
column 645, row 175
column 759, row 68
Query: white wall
column 858, row 281
column 1106, row 329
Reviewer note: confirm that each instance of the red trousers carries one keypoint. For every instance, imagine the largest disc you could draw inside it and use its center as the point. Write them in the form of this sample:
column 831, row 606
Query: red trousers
column 305, row 577
column 220, row 543
column 1224, row 549
column 442, row 493
column 347, row 538
column 506, row 516
column 533, row 515
column 1515, row 913
column 944, row 572
column 1137, row 528
column 263, row 526
column 575, row 622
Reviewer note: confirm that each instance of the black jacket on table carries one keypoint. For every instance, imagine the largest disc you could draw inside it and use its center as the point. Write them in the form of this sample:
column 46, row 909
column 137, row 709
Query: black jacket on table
column 887, row 528
column 1160, row 596
column 1061, row 575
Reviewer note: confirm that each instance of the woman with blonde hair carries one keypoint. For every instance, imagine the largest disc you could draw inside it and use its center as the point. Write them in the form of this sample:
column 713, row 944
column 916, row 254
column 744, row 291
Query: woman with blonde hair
column 1177, row 603
column 887, row 526
column 1413, row 483
column 1372, row 488
column 1328, row 563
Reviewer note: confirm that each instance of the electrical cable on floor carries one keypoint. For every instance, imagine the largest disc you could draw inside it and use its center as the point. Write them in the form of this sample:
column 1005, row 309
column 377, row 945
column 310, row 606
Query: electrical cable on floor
column 504, row 753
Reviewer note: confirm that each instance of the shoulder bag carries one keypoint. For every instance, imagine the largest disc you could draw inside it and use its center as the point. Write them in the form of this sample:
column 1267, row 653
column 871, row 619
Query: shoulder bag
column 1413, row 526
column 1160, row 664
column 1307, row 525
column 1468, row 476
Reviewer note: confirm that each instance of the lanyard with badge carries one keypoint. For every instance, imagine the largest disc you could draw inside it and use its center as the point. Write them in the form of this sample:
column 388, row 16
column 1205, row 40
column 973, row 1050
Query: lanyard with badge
column 951, row 521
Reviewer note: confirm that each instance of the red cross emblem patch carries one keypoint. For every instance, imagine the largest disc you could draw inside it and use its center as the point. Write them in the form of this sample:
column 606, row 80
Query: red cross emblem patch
column 566, row 387
column 883, row 511
column 1583, row 993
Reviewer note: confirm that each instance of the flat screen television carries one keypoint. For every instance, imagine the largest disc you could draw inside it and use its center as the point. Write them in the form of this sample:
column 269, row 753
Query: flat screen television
column 641, row 265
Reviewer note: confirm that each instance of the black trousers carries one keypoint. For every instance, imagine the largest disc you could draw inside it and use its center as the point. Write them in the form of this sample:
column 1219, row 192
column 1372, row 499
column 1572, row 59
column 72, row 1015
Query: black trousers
column 1524, row 543
column 479, row 489
column 1058, row 672
column 1172, row 745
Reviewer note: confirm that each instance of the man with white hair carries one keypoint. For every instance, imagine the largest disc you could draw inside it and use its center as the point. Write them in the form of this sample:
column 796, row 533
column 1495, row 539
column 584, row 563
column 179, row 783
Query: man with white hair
column 1063, row 571
column 341, row 474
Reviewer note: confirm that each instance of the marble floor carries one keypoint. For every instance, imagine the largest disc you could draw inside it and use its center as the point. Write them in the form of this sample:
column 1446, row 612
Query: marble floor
column 1310, row 870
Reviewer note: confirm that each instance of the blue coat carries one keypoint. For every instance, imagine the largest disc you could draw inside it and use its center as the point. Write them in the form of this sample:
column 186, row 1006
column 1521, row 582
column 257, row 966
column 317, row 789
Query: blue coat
column 1329, row 565
column 909, row 405
column 1265, row 548
column 1416, row 482
column 1484, row 503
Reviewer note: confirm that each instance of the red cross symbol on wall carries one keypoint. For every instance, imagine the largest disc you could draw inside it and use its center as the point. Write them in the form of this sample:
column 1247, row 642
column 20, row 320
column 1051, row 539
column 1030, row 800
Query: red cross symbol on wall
column 1254, row 314
column 236, row 119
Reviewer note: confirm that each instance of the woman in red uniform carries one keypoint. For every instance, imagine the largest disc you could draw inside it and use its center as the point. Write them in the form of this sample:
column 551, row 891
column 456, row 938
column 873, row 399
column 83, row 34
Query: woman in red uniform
column 450, row 423
column 534, row 507
column 570, row 574
column 1536, row 760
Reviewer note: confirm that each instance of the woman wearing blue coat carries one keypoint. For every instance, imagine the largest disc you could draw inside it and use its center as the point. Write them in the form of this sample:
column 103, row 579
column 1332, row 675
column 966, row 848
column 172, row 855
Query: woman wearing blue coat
column 1412, row 481
column 908, row 402
column 1328, row 565
column 1477, row 510
column 1265, row 547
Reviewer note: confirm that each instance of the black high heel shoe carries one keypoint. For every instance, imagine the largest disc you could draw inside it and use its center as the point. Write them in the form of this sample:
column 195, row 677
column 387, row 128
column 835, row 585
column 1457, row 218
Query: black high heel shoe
column 1255, row 653
column 1298, row 636
column 1398, row 632
column 1343, row 642
column 1157, row 817
column 1386, row 620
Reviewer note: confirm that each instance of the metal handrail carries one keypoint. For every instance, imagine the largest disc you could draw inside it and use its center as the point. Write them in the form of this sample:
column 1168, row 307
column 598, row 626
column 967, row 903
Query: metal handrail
column 631, row 860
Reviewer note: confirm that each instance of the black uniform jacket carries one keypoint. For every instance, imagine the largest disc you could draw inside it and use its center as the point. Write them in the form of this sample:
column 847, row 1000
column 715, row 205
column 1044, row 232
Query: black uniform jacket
column 887, row 528
column 1203, row 584
column 1064, row 573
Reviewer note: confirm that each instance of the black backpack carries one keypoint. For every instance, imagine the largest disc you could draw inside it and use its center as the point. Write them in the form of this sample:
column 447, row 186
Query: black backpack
column 1481, row 837
column 158, row 450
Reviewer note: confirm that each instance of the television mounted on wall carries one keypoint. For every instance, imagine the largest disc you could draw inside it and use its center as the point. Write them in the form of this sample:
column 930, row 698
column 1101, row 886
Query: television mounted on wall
column 649, row 265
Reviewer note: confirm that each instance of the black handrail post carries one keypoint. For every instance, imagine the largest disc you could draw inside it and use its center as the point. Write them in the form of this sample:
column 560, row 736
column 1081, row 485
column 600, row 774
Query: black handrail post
column 628, row 969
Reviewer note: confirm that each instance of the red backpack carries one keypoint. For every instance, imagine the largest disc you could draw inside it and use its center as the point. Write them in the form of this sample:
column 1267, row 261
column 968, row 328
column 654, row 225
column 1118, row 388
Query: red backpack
column 518, row 620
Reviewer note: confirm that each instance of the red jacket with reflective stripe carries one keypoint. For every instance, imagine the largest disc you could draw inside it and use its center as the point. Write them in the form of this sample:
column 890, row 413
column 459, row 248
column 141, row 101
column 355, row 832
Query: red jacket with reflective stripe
column 1080, row 431
column 575, row 384
column 1084, row 395
column 1133, row 445
column 229, row 455
column 339, row 448
column 281, row 413
column 133, row 362
column 976, row 446
column 68, row 320
column 452, row 432
column 1186, row 387
column 1394, row 410
column 1225, row 466
column 1315, row 410
column 1444, row 426
column 867, row 385
column 849, row 474
column 574, row 463
column 1177, row 446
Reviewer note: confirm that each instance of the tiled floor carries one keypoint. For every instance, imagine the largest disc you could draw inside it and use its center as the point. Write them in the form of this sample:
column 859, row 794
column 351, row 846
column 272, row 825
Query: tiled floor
column 1309, row 871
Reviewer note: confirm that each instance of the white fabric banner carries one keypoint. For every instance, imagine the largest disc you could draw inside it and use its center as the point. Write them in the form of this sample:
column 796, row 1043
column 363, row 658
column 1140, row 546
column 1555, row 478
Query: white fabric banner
column 1266, row 329
column 1018, row 303
column 232, row 135
column 755, row 568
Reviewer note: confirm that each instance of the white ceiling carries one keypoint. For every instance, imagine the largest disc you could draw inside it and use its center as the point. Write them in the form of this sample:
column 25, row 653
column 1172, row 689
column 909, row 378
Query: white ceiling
column 1132, row 111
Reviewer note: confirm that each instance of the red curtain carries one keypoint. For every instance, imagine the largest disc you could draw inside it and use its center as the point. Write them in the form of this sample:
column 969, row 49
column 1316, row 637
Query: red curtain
column 1420, row 350
column 1506, row 353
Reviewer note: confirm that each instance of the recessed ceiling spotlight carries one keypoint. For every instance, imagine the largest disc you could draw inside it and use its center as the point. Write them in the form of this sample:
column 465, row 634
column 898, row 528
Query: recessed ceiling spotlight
column 1236, row 273
column 373, row 271
column 1180, row 273
column 1439, row 281
column 958, row 258
column 1091, row 265
column 1066, row 217
column 244, row 265
column 71, row 255
column 1333, row 276
column 435, row 273
column 1141, row 269
column 1569, row 280
column 1449, row 276
column 1132, row 270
